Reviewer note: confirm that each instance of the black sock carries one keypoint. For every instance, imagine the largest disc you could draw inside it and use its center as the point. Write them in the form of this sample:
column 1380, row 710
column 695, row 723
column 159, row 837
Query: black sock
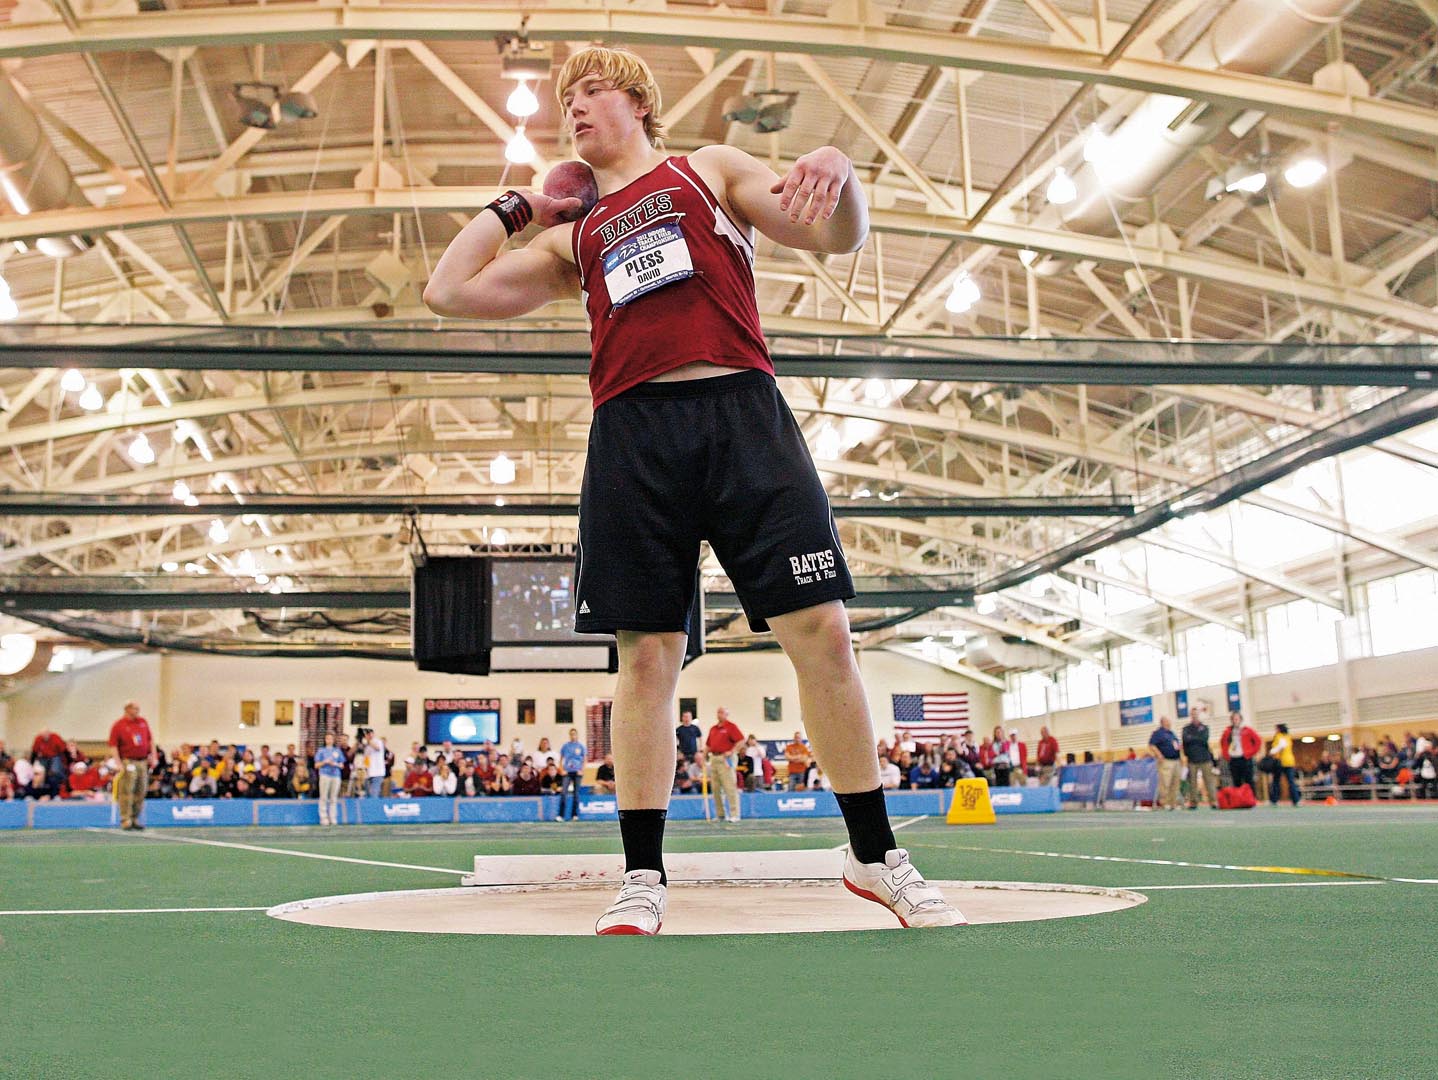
column 867, row 817
column 643, row 834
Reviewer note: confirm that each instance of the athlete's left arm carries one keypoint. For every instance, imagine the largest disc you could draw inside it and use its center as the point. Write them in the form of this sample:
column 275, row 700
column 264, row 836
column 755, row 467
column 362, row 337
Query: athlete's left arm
column 818, row 205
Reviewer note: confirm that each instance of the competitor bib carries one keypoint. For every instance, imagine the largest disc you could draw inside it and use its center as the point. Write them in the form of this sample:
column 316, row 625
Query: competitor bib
column 647, row 261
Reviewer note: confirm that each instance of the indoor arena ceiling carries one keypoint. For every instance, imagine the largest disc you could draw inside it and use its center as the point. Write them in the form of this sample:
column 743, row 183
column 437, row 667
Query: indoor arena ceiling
column 1241, row 172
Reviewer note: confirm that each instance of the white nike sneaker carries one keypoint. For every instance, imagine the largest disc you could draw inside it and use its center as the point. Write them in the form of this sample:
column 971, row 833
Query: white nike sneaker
column 897, row 884
column 639, row 908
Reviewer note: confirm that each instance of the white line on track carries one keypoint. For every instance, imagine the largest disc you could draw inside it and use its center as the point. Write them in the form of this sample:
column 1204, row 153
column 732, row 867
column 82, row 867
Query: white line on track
column 900, row 825
column 286, row 851
column 129, row 911
column 1125, row 859
column 1250, row 885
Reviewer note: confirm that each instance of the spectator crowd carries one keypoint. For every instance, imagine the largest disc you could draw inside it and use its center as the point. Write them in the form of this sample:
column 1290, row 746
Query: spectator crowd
column 1190, row 770
column 57, row 768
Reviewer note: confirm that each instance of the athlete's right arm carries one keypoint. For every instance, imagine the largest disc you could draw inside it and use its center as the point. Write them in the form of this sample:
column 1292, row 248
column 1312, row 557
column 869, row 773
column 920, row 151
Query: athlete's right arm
column 473, row 280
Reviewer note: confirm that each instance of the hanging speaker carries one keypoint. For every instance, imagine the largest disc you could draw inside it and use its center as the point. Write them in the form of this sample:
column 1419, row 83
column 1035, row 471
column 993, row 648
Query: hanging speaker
column 449, row 615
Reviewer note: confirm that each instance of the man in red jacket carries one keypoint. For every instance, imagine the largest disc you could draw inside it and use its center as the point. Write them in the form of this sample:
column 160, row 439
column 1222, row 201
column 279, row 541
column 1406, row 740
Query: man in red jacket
column 131, row 740
column 1048, row 755
column 1239, row 746
column 48, row 751
column 723, row 737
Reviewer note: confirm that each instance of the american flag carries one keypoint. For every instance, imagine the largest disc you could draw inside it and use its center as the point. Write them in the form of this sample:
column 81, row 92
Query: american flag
column 931, row 714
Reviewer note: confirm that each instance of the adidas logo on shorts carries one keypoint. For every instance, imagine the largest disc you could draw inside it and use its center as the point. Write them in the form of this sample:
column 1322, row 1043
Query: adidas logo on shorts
column 584, row 607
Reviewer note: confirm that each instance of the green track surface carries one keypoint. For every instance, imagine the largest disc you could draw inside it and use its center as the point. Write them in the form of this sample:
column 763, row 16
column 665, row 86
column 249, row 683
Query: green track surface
column 1259, row 982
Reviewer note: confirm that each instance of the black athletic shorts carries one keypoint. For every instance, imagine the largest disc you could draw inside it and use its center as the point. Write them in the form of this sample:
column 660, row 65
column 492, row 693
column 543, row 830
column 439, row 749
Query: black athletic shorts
column 720, row 459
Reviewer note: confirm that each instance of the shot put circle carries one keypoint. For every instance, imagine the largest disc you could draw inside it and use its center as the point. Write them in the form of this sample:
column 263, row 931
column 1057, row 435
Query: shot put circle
column 769, row 907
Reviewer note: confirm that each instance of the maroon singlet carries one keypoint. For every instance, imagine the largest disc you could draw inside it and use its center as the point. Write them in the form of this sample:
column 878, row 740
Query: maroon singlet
column 667, row 279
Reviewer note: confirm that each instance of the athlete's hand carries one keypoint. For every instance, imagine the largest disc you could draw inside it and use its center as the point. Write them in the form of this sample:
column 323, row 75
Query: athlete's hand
column 549, row 212
column 813, row 186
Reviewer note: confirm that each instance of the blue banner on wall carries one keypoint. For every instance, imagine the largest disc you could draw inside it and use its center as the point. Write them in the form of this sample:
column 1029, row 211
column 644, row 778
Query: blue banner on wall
column 600, row 808
column 1134, row 780
column 430, row 811
column 288, row 812
column 526, row 808
column 1080, row 783
column 179, row 813
column 1235, row 699
column 1137, row 710
column 688, row 807
column 911, row 803
column 75, row 815
column 199, row 813
column 1025, row 800
column 1180, row 704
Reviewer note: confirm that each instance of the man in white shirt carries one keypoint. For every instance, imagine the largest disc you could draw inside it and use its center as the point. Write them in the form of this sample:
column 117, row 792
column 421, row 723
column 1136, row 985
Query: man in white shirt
column 755, row 750
column 24, row 776
column 374, row 766
column 888, row 774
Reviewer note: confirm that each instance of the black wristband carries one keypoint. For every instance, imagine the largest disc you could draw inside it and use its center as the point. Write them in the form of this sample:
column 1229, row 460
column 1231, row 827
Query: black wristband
column 513, row 210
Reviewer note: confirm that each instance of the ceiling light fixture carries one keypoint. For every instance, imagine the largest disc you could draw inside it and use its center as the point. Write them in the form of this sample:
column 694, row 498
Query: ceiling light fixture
column 519, row 150
column 90, row 399
column 140, row 450
column 1305, row 172
column 501, row 470
column 72, row 382
column 1250, row 183
column 520, row 58
column 1061, row 190
column 1098, row 147
column 964, row 296
column 522, row 102
column 766, row 111
column 16, row 652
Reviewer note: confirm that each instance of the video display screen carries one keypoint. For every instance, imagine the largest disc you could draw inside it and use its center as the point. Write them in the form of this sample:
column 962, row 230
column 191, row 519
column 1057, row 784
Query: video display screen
column 532, row 600
column 461, row 721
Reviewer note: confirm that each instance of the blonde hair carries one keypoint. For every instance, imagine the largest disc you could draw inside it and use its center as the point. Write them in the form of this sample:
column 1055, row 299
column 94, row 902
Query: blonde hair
column 626, row 71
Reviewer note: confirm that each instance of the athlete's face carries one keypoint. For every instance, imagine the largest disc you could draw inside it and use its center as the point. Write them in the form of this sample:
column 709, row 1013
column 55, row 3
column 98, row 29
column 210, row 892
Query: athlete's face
column 599, row 114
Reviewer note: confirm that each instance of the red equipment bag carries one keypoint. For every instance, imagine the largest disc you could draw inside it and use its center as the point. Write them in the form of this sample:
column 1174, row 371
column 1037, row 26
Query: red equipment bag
column 1236, row 798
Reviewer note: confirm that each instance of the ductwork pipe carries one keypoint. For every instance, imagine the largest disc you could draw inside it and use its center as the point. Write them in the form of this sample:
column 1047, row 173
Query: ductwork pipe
column 33, row 175
column 1255, row 37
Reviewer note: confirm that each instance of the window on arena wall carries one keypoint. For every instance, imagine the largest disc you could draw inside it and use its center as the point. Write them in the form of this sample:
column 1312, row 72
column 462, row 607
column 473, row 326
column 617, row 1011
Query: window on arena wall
column 1035, row 687
column 1080, row 684
column 1140, row 670
column 1299, row 635
column 1210, row 653
column 1010, row 704
column 1401, row 612
column 1027, row 695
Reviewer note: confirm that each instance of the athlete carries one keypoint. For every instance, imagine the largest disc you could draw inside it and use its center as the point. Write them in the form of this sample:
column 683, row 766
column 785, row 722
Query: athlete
column 691, row 441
